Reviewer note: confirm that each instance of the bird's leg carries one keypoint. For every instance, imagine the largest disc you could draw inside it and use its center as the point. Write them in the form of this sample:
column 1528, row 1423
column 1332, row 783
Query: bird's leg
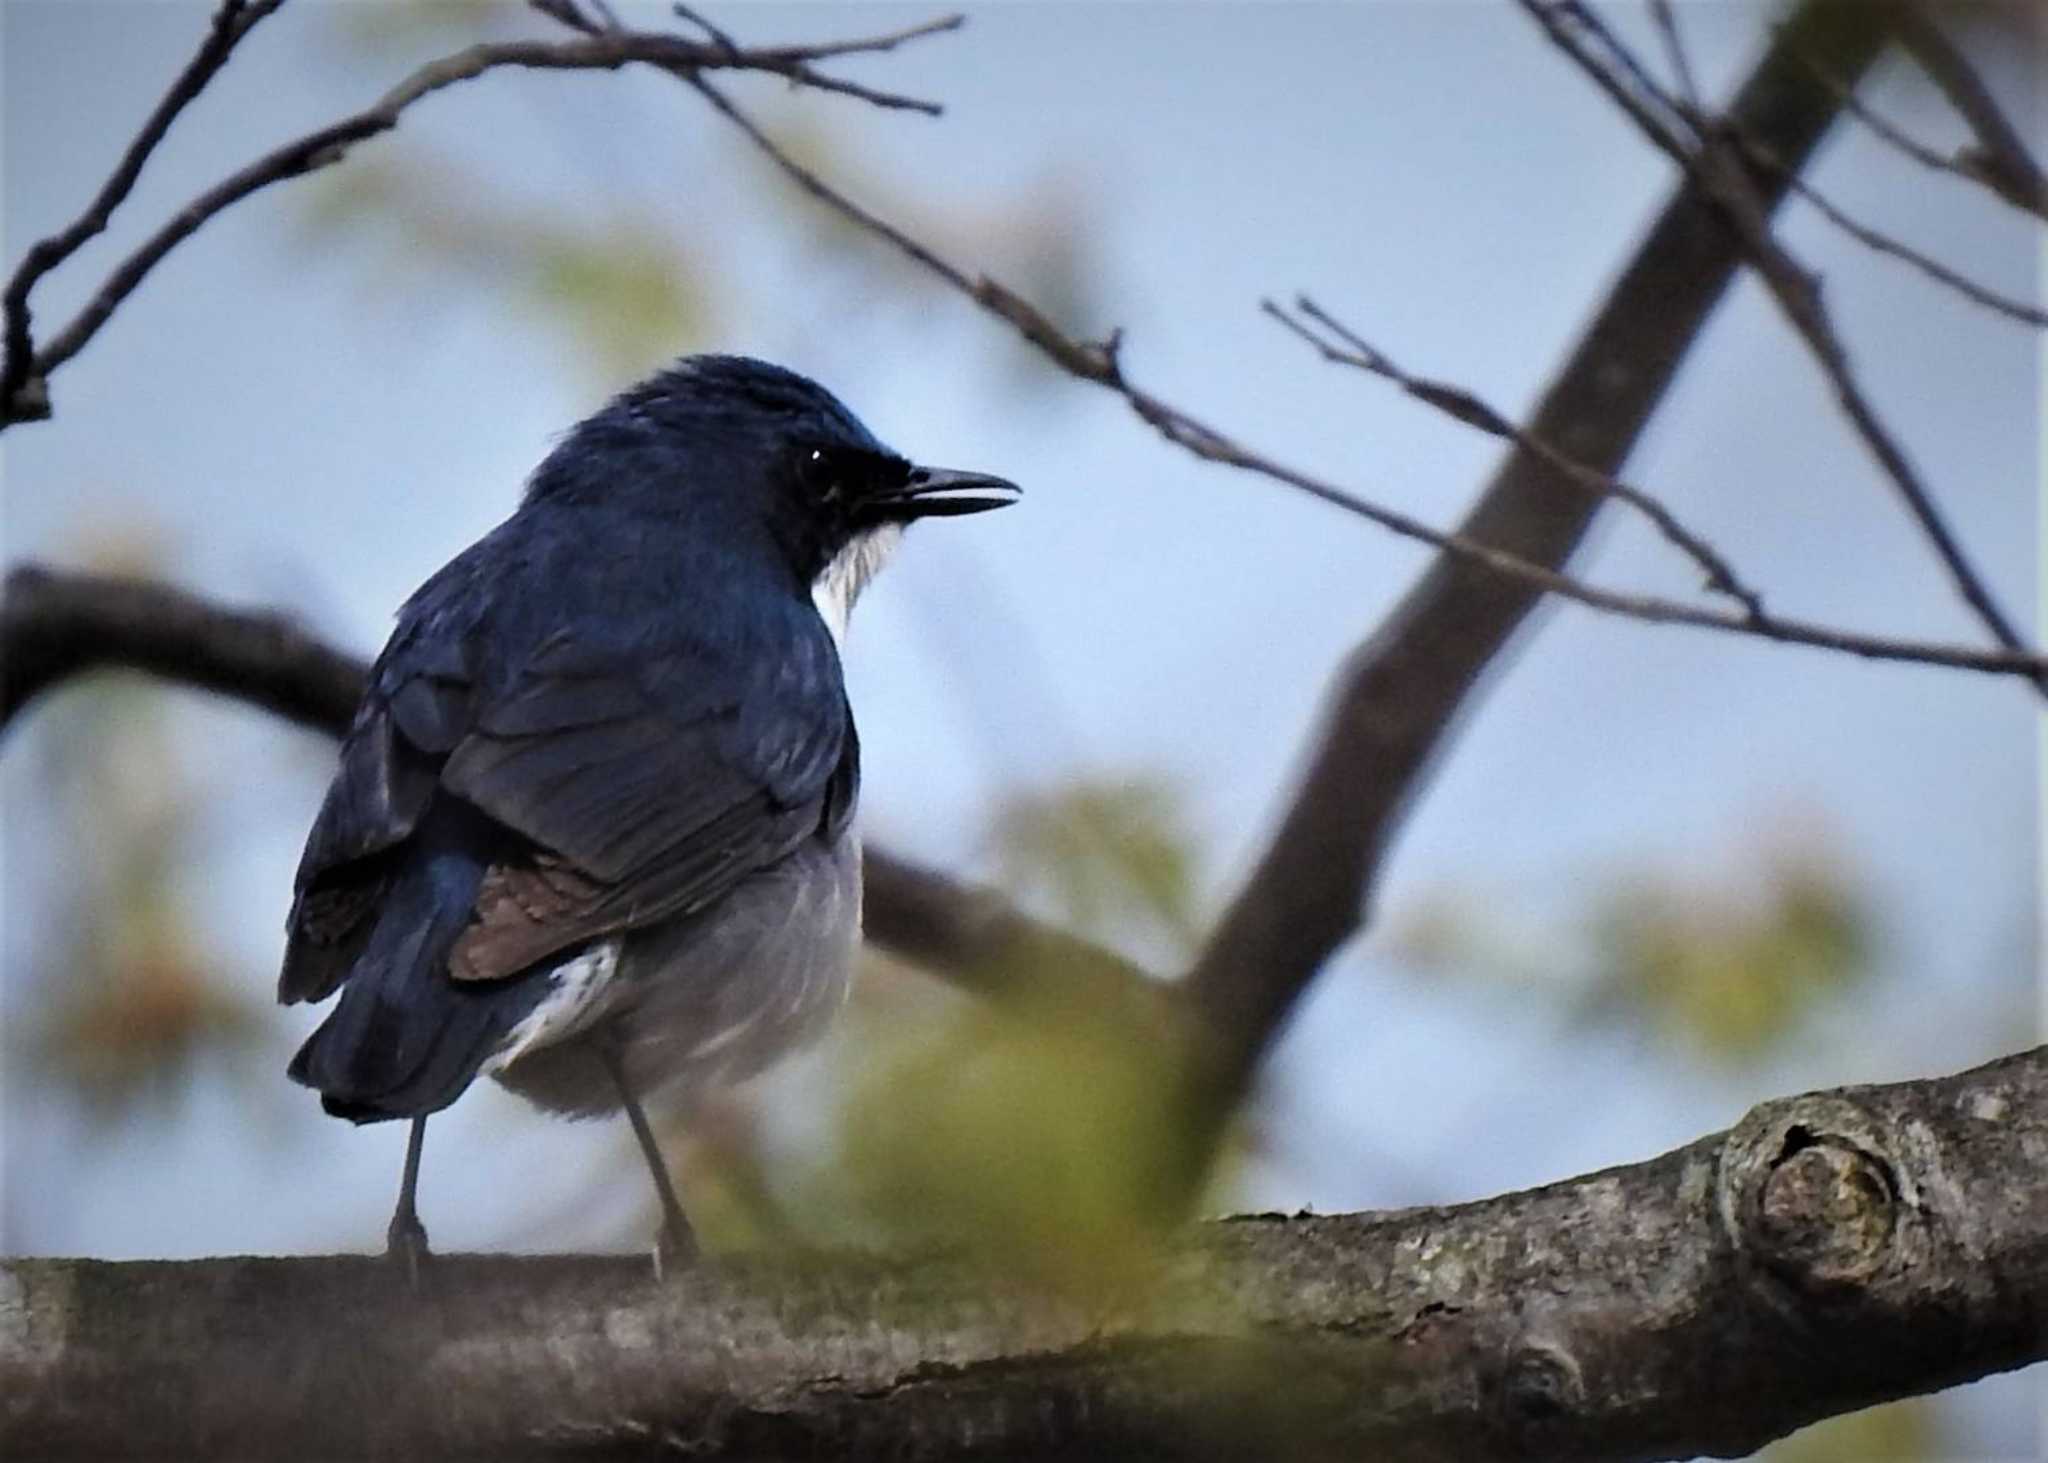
column 406, row 1239
column 677, row 1245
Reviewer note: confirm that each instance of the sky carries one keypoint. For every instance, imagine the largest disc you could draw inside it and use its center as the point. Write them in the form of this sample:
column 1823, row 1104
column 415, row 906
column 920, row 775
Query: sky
column 295, row 415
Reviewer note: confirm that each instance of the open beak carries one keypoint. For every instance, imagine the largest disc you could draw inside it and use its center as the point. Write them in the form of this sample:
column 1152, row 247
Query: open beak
column 935, row 492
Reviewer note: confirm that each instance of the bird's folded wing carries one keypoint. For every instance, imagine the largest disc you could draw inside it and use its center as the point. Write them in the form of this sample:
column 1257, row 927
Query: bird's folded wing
column 626, row 788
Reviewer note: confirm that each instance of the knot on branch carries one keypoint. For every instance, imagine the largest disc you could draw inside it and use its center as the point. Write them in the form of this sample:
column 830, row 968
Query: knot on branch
column 1812, row 1190
column 1538, row 1386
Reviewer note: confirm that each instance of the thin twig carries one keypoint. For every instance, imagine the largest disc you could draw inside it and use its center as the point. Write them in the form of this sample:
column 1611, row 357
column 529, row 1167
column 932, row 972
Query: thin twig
column 1674, row 51
column 1717, row 164
column 231, row 22
column 1969, row 164
column 1101, row 364
column 593, row 50
column 1464, row 406
column 2000, row 160
column 1905, row 253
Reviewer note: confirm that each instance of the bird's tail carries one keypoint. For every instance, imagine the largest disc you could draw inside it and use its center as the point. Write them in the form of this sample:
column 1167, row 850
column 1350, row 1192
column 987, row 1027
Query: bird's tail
column 405, row 1039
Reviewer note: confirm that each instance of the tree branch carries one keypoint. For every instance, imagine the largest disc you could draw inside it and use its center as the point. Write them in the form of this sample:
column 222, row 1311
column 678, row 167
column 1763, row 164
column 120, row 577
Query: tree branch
column 1715, row 161
column 1829, row 1252
column 1099, row 362
column 1462, row 405
column 232, row 21
column 2001, row 161
column 1905, row 253
column 55, row 625
column 1397, row 701
column 27, row 370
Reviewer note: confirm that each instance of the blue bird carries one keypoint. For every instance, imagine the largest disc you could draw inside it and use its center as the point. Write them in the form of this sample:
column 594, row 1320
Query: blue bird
column 592, row 830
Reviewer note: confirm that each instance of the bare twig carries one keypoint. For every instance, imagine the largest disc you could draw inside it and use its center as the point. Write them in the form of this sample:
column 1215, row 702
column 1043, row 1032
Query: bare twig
column 1464, row 406
column 1882, row 243
column 1717, row 163
column 232, row 21
column 1674, row 52
column 1099, row 362
column 2000, row 160
column 594, row 49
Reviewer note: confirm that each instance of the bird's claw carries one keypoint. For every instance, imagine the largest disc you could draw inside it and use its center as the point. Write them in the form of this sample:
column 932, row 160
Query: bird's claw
column 405, row 1246
column 674, row 1250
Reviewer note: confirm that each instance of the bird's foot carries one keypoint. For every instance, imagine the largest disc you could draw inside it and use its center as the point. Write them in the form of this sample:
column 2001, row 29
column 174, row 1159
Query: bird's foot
column 405, row 1246
column 675, row 1249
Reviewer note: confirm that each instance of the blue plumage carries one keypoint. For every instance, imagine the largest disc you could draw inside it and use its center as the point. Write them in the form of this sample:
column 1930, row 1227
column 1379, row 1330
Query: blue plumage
column 598, row 798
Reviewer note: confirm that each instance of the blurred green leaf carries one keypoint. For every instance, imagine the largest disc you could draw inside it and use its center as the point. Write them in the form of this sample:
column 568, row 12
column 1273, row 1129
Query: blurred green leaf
column 129, row 1008
column 1111, row 855
column 625, row 294
column 1728, row 968
column 1036, row 1144
column 1898, row 1432
column 1732, row 972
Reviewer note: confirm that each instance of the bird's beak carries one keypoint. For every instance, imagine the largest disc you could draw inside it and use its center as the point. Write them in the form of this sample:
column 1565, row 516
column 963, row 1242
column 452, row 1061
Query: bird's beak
column 936, row 492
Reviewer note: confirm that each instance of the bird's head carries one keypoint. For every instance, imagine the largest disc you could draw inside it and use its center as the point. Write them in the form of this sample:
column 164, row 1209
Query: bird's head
column 728, row 439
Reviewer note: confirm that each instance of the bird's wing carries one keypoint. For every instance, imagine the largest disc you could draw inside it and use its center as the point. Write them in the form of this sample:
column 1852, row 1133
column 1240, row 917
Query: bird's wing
column 630, row 784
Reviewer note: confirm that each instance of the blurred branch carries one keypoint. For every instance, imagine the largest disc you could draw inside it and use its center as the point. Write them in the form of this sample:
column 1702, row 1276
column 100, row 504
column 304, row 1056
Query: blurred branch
column 232, row 21
column 56, row 624
column 27, row 370
column 1711, row 160
column 1964, row 165
column 1883, row 243
column 2000, row 161
column 1828, row 1252
column 1398, row 699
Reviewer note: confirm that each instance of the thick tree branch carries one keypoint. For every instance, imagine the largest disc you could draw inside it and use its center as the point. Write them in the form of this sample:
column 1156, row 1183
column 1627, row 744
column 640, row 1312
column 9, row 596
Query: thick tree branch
column 1828, row 1252
column 1396, row 702
column 55, row 625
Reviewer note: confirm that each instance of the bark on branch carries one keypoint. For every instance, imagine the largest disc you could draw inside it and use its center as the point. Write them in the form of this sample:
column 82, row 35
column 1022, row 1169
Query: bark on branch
column 57, row 624
column 1828, row 1252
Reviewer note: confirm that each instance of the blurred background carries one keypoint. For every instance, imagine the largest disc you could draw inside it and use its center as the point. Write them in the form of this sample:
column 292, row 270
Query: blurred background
column 1661, row 875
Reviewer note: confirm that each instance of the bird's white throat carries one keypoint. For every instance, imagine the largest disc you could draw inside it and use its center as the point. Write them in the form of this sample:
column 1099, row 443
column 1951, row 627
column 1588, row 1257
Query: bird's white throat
column 835, row 589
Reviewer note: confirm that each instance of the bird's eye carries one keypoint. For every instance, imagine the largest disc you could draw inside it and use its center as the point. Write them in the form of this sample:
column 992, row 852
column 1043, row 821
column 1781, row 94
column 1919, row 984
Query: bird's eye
column 820, row 473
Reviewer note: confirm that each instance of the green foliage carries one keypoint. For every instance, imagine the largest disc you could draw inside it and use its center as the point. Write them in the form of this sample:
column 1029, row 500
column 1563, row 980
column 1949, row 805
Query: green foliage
column 1043, row 1137
column 634, row 286
column 1899, row 1432
column 1732, row 973
column 621, row 290
column 131, row 1007
column 1111, row 855
column 1728, row 969
column 1036, row 1141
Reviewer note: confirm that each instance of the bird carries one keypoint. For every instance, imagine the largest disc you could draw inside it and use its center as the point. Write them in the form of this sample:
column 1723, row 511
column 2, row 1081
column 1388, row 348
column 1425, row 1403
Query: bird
column 592, row 829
